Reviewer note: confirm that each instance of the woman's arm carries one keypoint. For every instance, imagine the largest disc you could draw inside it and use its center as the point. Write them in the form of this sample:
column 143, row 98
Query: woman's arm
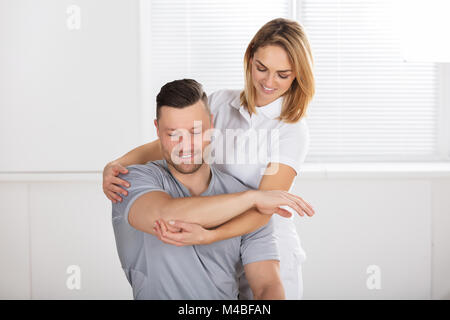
column 147, row 152
column 276, row 177
column 111, row 183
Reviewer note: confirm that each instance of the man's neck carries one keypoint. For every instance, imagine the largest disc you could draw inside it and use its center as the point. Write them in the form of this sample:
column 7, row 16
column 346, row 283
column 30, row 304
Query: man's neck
column 196, row 182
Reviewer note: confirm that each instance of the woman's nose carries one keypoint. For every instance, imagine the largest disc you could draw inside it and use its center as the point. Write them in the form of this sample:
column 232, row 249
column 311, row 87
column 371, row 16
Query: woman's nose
column 270, row 80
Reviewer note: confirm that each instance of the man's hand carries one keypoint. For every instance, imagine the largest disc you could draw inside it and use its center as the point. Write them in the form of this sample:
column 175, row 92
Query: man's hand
column 269, row 202
column 180, row 233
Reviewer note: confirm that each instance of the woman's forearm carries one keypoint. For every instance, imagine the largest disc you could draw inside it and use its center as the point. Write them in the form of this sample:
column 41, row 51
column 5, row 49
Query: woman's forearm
column 208, row 211
column 148, row 152
column 252, row 219
column 247, row 222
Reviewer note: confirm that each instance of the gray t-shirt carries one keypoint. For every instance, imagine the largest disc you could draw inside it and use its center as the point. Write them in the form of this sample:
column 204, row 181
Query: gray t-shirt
column 157, row 270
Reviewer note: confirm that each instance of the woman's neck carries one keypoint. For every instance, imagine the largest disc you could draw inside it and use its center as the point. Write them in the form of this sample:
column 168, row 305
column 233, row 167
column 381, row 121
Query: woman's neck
column 262, row 103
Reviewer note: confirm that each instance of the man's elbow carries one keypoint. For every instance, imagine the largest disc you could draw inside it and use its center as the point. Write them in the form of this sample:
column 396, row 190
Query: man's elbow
column 272, row 290
column 144, row 220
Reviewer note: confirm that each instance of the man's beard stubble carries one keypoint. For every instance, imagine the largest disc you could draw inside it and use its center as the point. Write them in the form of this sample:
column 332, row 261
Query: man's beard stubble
column 191, row 167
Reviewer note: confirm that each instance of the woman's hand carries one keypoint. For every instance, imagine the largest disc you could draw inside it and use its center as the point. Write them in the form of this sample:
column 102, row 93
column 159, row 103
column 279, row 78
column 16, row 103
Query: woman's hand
column 270, row 201
column 180, row 233
column 111, row 182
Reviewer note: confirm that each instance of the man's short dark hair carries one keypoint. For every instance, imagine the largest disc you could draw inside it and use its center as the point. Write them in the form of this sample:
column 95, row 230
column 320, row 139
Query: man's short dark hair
column 179, row 94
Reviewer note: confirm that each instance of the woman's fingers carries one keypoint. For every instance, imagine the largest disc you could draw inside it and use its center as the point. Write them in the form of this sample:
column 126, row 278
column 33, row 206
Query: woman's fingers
column 170, row 227
column 178, row 236
column 294, row 205
column 169, row 241
column 303, row 204
column 110, row 197
column 181, row 225
column 123, row 170
column 111, row 183
column 291, row 202
column 283, row 212
column 114, row 196
column 116, row 189
column 311, row 209
column 119, row 182
column 116, row 169
column 164, row 239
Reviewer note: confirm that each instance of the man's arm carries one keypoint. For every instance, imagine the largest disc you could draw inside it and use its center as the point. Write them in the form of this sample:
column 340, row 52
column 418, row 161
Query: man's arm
column 264, row 280
column 207, row 211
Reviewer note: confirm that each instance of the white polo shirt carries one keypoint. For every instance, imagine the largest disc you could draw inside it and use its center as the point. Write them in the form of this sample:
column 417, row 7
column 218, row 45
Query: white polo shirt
column 290, row 148
column 246, row 144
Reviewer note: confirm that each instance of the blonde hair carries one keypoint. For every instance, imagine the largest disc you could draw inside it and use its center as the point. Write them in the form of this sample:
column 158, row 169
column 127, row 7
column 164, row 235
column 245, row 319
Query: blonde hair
column 290, row 36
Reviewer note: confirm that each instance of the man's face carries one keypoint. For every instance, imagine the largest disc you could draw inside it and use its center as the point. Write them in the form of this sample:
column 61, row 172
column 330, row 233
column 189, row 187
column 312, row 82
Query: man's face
column 181, row 133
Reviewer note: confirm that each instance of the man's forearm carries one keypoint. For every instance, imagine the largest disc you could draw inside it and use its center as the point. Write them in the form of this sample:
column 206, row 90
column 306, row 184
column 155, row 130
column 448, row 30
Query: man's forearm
column 208, row 211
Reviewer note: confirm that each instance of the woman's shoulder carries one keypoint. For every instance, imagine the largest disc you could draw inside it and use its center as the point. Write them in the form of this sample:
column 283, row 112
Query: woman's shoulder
column 297, row 129
column 301, row 124
column 220, row 97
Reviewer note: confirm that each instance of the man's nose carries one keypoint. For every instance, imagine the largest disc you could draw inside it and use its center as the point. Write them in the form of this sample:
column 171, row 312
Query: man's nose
column 187, row 140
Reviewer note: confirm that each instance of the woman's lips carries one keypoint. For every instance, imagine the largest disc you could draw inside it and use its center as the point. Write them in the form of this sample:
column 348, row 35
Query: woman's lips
column 267, row 90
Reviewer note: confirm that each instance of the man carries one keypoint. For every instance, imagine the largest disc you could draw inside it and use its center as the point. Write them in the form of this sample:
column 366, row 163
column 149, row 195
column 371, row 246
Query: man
column 184, row 187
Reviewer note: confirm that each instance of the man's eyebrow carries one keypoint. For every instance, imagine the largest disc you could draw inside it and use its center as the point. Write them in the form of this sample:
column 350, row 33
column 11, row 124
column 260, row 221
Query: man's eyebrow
column 174, row 129
column 266, row 67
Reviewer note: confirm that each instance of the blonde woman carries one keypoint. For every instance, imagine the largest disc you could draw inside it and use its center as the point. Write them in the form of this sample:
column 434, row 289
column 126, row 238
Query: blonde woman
column 279, row 85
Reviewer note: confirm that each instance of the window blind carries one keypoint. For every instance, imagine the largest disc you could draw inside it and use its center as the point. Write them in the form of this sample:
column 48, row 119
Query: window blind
column 205, row 40
column 370, row 104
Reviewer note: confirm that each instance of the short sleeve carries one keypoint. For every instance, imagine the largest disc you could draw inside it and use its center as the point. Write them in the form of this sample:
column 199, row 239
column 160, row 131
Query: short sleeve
column 213, row 102
column 142, row 179
column 260, row 245
column 291, row 145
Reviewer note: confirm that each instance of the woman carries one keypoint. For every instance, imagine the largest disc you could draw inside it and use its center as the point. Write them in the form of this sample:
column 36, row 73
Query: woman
column 279, row 84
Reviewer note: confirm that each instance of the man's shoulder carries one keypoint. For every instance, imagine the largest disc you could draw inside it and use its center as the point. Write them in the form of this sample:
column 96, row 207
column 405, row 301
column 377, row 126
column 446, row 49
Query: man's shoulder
column 151, row 168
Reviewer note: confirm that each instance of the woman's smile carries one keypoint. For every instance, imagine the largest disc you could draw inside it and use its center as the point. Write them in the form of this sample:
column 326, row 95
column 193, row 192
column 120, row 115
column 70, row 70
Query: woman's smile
column 268, row 90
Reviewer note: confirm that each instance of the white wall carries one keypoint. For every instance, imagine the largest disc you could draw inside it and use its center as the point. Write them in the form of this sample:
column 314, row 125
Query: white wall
column 49, row 226
column 360, row 223
column 67, row 96
column 52, row 221
column 70, row 101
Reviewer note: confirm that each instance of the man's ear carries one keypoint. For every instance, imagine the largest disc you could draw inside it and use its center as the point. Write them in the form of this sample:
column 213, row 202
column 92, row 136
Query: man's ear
column 157, row 126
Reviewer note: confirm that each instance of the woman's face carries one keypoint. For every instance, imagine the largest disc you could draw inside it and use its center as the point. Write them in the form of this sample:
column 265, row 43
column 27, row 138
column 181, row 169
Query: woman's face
column 272, row 73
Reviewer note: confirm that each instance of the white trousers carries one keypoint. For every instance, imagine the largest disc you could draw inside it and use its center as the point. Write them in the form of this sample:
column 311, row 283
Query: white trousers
column 291, row 258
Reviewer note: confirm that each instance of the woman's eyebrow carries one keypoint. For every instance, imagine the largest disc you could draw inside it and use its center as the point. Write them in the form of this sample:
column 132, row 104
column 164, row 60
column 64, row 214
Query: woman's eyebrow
column 267, row 68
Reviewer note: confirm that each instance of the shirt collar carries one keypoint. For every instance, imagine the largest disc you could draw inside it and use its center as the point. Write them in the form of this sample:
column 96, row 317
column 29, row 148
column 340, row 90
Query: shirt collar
column 271, row 111
column 208, row 190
